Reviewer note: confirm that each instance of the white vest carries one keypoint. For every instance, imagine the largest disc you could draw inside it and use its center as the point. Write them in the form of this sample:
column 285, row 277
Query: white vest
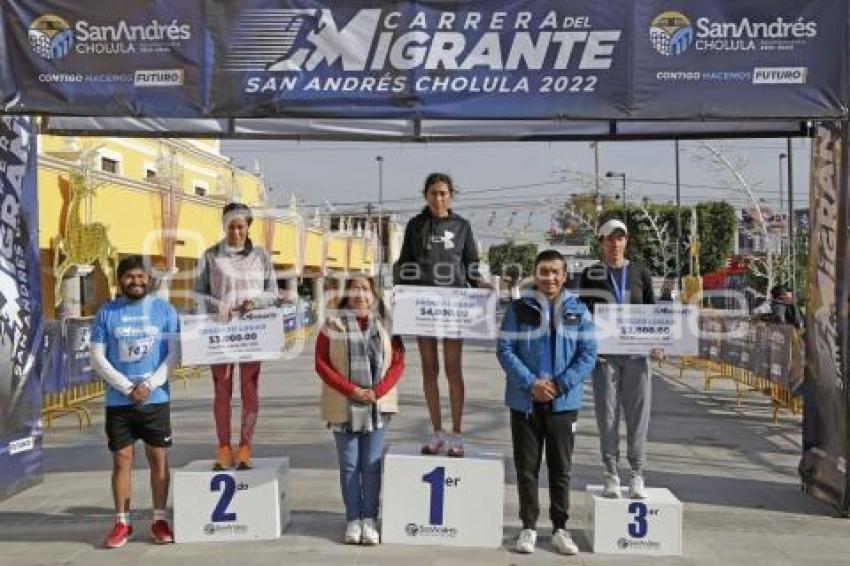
column 334, row 405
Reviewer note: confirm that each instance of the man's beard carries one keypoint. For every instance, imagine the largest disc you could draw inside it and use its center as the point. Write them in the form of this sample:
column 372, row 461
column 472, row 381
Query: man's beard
column 126, row 292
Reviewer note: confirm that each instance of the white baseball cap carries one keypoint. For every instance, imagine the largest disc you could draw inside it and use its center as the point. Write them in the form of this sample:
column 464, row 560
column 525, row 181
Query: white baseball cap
column 611, row 226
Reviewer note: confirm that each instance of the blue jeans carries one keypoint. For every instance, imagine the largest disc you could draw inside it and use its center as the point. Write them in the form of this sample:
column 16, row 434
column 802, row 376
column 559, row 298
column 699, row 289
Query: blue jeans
column 360, row 471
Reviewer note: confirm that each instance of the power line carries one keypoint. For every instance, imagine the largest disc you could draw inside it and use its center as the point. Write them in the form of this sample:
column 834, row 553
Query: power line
column 560, row 182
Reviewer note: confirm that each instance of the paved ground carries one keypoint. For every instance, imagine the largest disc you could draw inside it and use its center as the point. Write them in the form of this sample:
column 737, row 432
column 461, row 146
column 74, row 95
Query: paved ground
column 733, row 468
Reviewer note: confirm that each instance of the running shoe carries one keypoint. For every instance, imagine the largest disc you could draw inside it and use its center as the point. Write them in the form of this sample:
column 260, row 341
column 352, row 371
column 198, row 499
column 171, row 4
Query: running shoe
column 118, row 536
column 435, row 444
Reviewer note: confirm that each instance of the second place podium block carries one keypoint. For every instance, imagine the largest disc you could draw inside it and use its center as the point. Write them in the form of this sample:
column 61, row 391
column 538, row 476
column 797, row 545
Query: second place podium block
column 231, row 505
column 436, row 500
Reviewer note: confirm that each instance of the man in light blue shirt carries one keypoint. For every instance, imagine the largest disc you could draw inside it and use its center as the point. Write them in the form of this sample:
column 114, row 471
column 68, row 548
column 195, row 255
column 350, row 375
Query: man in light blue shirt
column 133, row 348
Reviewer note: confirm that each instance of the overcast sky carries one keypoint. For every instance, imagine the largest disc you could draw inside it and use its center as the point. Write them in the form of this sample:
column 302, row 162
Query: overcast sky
column 528, row 179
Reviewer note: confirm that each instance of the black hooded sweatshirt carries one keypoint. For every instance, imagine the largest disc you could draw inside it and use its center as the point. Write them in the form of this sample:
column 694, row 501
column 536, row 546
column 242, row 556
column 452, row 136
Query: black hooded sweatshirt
column 437, row 252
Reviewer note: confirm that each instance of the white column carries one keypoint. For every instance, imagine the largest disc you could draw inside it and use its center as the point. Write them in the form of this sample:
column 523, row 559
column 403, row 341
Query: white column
column 71, row 305
column 319, row 297
column 292, row 288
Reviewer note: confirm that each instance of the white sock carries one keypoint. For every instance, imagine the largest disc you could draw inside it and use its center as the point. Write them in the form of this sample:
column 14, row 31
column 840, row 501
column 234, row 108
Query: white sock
column 159, row 514
column 123, row 517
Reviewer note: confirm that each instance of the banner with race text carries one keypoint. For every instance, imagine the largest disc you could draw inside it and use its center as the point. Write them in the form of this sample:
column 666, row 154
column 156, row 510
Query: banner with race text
column 21, row 457
column 426, row 59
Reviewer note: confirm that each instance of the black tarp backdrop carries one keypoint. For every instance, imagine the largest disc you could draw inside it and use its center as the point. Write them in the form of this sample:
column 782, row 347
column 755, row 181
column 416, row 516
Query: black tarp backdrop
column 468, row 70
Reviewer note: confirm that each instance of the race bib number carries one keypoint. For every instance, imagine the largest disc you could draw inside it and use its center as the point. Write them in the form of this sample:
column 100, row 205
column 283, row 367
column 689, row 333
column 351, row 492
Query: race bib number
column 134, row 350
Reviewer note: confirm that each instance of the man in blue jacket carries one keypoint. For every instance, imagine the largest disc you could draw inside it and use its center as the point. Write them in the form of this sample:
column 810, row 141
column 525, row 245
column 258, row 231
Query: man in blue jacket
column 547, row 348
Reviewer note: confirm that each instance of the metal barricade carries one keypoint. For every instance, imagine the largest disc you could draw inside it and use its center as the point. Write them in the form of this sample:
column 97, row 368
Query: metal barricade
column 758, row 355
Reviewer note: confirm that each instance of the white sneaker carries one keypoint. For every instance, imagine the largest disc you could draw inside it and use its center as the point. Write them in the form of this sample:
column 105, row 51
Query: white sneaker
column 435, row 443
column 353, row 532
column 370, row 534
column 455, row 446
column 611, row 488
column 637, row 490
column 526, row 541
column 563, row 542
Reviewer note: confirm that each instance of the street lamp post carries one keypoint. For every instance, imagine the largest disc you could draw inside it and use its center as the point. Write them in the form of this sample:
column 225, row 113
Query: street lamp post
column 611, row 174
column 678, row 220
column 380, row 160
column 782, row 157
column 792, row 246
column 595, row 146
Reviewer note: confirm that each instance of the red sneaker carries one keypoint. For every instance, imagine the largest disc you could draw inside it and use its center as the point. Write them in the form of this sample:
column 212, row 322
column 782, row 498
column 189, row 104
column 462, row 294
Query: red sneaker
column 118, row 536
column 162, row 532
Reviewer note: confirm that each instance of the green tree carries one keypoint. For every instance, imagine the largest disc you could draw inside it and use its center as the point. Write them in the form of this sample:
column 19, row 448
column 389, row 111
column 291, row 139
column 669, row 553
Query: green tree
column 512, row 261
column 717, row 222
column 716, row 226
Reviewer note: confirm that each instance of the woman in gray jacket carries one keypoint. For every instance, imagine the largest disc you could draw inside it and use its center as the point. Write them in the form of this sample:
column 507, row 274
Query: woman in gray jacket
column 235, row 277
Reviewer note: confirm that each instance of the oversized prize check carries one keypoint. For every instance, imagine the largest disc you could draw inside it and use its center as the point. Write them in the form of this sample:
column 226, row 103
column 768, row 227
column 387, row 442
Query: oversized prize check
column 444, row 312
column 257, row 336
column 637, row 329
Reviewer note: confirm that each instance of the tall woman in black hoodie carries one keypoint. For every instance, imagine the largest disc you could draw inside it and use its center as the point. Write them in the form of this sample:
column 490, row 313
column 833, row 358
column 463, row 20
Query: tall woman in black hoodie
column 440, row 250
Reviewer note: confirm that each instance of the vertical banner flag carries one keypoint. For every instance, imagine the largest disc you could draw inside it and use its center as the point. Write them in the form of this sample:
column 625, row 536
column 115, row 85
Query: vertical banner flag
column 842, row 311
column 823, row 466
column 21, row 461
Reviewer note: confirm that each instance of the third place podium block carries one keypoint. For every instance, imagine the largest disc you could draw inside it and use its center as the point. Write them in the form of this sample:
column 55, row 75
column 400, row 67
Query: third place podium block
column 651, row 526
column 443, row 501
column 231, row 505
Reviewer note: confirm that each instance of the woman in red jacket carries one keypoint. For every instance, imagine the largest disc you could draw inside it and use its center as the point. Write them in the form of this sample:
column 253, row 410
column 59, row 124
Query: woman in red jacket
column 360, row 366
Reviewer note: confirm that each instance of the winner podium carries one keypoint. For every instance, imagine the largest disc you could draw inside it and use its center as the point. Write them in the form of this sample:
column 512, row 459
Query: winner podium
column 651, row 526
column 437, row 500
column 231, row 505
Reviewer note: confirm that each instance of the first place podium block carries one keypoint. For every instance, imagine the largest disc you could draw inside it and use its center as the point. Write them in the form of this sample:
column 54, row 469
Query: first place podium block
column 436, row 500
column 651, row 526
column 231, row 505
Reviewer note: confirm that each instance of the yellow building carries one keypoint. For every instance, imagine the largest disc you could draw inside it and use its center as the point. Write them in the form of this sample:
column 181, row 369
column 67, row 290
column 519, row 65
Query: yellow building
column 162, row 198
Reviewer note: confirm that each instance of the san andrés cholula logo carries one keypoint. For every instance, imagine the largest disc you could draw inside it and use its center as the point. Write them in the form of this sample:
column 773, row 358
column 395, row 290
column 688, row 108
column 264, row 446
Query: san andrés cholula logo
column 52, row 37
column 671, row 33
